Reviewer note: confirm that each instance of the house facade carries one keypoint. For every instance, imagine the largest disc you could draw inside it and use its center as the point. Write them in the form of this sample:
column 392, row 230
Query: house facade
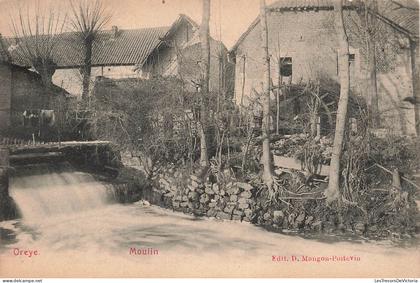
column 179, row 54
column 303, row 46
column 22, row 98
column 137, row 53
column 5, row 91
column 115, row 54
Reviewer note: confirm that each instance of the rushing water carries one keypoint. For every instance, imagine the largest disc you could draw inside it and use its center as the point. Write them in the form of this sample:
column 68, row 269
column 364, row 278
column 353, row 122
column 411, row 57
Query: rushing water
column 76, row 231
column 43, row 191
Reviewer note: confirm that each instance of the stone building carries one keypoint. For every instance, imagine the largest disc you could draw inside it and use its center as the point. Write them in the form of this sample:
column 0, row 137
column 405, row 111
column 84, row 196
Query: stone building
column 21, row 90
column 115, row 55
column 5, row 90
column 121, row 54
column 179, row 54
column 303, row 39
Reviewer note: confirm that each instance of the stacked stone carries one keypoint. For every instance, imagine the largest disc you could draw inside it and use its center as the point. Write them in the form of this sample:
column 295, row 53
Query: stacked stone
column 234, row 201
column 237, row 202
column 281, row 219
column 169, row 187
column 187, row 198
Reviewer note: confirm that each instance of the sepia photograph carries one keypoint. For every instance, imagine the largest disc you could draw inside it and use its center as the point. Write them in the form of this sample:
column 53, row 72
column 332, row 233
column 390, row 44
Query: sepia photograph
column 209, row 139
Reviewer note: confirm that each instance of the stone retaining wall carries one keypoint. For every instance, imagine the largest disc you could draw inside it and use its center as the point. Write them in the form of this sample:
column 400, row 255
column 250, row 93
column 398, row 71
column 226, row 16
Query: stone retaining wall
column 7, row 206
column 187, row 193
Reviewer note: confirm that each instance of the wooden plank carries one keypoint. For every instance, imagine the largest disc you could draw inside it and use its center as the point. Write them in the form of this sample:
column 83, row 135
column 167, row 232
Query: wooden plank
column 4, row 157
column 46, row 147
column 25, row 156
column 292, row 163
column 4, row 176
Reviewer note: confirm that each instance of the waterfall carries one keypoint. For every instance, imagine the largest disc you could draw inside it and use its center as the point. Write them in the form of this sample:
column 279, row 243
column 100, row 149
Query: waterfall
column 45, row 190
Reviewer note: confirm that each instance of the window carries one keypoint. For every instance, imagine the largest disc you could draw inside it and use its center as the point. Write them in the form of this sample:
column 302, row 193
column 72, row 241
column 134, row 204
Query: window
column 352, row 63
column 286, row 69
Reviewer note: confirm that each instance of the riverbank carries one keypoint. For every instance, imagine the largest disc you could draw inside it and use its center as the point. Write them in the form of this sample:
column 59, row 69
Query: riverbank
column 98, row 242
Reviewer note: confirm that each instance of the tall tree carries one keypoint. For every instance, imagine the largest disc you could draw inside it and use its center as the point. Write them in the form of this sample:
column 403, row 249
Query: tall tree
column 88, row 19
column 266, row 155
column 205, row 77
column 415, row 62
column 413, row 6
column 36, row 37
column 371, row 30
column 333, row 190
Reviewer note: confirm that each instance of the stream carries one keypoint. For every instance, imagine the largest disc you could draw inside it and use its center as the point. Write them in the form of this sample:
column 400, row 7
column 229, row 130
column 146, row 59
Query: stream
column 70, row 228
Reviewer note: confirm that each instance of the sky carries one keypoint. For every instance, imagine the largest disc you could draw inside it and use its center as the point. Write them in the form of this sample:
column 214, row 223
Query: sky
column 228, row 19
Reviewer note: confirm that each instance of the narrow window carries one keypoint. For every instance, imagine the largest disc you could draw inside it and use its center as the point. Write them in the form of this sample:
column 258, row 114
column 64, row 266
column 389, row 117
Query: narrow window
column 352, row 62
column 286, row 69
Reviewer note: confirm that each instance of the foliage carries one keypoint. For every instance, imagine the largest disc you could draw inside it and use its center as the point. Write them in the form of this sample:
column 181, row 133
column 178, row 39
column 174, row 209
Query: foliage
column 395, row 152
column 37, row 32
column 146, row 117
column 88, row 18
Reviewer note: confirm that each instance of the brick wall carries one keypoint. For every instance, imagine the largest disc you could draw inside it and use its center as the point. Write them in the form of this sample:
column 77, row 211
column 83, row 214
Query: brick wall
column 20, row 90
column 164, row 59
column 306, row 37
column 310, row 39
column 5, row 96
column 190, row 69
column 185, row 62
column 71, row 80
column 27, row 93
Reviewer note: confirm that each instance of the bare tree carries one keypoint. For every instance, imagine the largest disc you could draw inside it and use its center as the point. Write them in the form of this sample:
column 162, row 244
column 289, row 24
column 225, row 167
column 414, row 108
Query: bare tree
column 205, row 76
column 333, row 190
column 266, row 155
column 36, row 38
column 415, row 62
column 414, row 58
column 87, row 20
column 377, row 41
column 370, row 33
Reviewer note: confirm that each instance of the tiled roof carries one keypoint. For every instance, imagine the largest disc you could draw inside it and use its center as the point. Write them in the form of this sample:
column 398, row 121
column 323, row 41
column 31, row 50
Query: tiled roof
column 302, row 4
column 404, row 13
column 408, row 19
column 128, row 47
column 3, row 51
column 3, row 57
column 169, row 32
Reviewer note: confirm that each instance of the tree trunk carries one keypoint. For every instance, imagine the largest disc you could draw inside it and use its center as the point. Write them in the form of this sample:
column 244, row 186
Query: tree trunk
column 266, row 155
column 373, row 85
column 396, row 180
column 369, row 25
column 333, row 190
column 205, row 77
column 243, row 92
column 415, row 81
column 4, row 172
column 46, row 68
column 5, row 200
column 279, row 83
column 87, row 68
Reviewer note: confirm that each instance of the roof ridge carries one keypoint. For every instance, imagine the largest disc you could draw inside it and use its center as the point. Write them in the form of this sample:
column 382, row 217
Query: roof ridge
column 294, row 5
column 102, row 31
column 4, row 53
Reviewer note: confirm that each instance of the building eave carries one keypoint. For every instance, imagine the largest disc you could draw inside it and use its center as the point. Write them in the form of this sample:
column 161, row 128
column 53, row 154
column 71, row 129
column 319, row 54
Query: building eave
column 349, row 6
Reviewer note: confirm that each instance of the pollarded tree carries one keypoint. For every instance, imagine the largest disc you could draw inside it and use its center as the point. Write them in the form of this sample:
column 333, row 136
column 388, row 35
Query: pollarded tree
column 205, row 77
column 87, row 20
column 333, row 191
column 36, row 36
column 266, row 155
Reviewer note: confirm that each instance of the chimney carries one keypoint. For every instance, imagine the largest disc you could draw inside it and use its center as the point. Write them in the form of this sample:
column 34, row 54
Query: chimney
column 114, row 31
